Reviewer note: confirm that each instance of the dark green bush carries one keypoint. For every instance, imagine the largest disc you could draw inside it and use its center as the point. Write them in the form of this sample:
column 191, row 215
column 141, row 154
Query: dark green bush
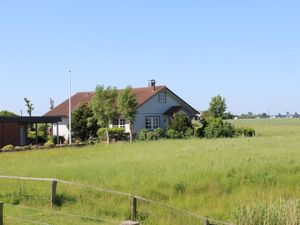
column 216, row 128
column 180, row 122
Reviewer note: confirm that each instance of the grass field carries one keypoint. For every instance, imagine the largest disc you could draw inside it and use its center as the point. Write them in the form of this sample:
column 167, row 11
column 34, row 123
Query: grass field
column 215, row 178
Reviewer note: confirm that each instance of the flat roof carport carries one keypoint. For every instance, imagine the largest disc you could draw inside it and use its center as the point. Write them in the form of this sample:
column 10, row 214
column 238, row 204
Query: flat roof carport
column 24, row 121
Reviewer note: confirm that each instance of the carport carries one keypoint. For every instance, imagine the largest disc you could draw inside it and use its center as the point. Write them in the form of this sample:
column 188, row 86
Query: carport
column 13, row 130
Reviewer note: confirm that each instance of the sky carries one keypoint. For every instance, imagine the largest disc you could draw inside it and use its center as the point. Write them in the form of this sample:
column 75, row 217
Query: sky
column 246, row 51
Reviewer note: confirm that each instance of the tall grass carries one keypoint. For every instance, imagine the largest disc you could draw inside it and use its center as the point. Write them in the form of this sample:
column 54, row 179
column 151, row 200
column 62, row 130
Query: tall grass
column 283, row 212
column 211, row 177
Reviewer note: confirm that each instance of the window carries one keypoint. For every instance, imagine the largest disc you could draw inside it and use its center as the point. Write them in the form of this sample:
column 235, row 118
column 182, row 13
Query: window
column 119, row 123
column 122, row 123
column 151, row 122
column 162, row 97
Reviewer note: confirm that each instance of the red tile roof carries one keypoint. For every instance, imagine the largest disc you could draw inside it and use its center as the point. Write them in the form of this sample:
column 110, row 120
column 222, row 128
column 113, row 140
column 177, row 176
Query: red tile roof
column 142, row 95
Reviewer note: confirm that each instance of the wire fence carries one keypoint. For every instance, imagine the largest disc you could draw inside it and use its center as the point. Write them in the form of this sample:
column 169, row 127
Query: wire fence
column 108, row 206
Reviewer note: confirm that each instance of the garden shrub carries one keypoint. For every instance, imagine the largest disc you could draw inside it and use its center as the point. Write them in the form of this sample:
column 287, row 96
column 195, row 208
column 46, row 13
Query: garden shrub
column 49, row 144
column 142, row 135
column 173, row 134
column 8, row 148
column 159, row 133
column 189, row 133
column 180, row 122
column 114, row 133
column 151, row 136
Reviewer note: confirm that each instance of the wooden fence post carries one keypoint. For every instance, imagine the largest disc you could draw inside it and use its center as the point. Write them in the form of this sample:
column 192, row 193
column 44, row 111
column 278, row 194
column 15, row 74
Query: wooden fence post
column 53, row 192
column 133, row 208
column 1, row 213
column 206, row 222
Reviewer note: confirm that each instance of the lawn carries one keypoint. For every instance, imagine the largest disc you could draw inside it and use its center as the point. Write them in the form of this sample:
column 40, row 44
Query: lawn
column 215, row 178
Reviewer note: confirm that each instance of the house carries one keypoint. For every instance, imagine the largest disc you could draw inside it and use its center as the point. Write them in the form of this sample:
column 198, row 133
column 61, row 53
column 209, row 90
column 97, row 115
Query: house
column 156, row 104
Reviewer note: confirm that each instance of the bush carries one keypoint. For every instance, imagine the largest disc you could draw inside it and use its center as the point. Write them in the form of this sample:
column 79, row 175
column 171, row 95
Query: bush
column 249, row 132
column 159, row 133
column 189, row 133
column 151, row 136
column 8, row 148
column 49, row 144
column 216, row 128
column 114, row 133
column 180, row 122
column 245, row 131
column 173, row 134
column 142, row 136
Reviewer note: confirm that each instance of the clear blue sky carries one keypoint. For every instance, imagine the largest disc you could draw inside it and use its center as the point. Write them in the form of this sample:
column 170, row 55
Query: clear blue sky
column 247, row 51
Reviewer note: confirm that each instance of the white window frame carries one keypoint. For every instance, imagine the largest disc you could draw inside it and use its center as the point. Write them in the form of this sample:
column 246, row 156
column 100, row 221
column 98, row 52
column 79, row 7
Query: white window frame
column 162, row 97
column 152, row 122
column 120, row 123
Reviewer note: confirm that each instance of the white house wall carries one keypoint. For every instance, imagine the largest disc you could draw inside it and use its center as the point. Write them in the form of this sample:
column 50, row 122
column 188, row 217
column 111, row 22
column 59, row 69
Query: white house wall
column 62, row 128
column 153, row 108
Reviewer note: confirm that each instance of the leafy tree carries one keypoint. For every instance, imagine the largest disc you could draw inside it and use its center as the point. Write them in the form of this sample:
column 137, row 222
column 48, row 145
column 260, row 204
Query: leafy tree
column 29, row 106
column 127, row 107
column 217, row 107
column 7, row 113
column 103, row 106
column 180, row 122
column 83, row 123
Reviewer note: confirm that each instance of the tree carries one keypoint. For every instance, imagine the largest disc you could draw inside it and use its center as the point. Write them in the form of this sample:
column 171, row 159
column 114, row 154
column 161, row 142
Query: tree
column 29, row 106
column 7, row 113
column 127, row 105
column 83, row 123
column 217, row 107
column 104, row 107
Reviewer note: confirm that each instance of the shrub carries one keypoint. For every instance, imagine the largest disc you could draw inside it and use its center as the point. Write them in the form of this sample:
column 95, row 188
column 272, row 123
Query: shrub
column 249, row 132
column 116, row 133
column 8, row 148
column 189, row 133
column 151, row 136
column 173, row 134
column 49, row 144
column 216, row 128
column 180, row 122
column 142, row 136
column 245, row 131
column 159, row 133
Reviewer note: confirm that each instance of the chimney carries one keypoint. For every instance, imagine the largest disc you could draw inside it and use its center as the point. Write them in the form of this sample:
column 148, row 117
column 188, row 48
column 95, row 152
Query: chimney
column 151, row 83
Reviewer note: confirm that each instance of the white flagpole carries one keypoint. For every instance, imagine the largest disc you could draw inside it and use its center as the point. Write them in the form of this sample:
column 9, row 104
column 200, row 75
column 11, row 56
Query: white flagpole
column 70, row 112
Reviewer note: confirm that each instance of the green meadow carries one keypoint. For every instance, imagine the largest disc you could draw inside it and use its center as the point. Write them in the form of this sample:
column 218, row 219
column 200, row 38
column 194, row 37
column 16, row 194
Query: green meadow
column 239, row 180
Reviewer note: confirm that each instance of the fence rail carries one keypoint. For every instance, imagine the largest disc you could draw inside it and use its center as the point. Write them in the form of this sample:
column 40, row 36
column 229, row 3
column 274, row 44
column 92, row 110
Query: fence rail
column 134, row 198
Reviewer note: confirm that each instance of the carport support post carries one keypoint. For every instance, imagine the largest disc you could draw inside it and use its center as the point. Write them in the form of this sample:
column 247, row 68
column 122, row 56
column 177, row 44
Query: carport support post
column 46, row 132
column 1, row 214
column 57, row 134
column 53, row 192
column 36, row 134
